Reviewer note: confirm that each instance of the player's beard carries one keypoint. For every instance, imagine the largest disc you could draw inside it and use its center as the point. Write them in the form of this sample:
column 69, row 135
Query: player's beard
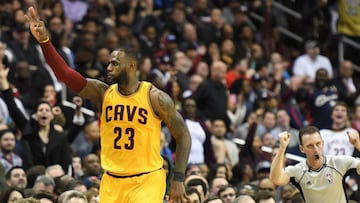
column 121, row 79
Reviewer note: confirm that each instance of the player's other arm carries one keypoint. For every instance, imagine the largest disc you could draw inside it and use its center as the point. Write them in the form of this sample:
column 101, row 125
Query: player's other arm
column 277, row 171
column 165, row 108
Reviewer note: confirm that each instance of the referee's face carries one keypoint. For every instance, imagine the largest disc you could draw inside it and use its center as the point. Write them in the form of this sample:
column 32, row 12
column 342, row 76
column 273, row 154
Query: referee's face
column 312, row 146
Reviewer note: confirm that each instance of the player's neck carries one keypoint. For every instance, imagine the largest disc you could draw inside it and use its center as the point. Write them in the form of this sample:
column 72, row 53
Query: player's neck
column 129, row 88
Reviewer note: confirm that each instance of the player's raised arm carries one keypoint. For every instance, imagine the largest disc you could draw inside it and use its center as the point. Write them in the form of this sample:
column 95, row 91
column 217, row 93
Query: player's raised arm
column 165, row 108
column 277, row 172
column 90, row 89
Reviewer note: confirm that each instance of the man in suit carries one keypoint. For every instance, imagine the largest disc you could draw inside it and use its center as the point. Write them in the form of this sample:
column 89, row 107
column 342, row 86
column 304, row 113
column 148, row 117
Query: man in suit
column 346, row 84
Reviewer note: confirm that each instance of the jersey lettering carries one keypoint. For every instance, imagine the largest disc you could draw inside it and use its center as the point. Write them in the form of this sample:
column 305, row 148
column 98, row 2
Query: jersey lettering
column 121, row 112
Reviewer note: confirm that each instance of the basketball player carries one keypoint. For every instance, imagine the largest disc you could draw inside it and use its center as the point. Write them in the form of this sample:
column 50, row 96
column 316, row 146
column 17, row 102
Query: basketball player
column 131, row 115
column 319, row 178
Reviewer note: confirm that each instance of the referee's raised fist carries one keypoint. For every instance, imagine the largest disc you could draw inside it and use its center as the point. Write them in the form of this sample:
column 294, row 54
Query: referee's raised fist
column 284, row 138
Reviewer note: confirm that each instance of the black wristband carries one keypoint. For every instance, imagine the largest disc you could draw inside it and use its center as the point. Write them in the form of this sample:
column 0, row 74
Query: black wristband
column 178, row 176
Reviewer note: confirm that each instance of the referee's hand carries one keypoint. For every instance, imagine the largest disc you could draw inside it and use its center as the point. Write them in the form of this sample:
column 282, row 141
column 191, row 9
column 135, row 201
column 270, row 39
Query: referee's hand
column 284, row 138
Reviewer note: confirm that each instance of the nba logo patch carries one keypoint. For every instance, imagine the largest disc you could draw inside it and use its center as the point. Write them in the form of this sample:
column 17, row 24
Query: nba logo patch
column 329, row 178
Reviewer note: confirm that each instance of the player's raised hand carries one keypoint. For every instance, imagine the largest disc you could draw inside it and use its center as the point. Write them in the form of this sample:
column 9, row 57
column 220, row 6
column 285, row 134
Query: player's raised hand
column 284, row 138
column 37, row 27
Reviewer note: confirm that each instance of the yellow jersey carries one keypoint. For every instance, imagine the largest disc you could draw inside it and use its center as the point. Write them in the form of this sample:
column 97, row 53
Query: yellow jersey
column 130, row 132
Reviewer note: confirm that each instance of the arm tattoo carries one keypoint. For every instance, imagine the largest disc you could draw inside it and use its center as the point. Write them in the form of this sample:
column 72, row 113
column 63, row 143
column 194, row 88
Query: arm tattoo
column 164, row 101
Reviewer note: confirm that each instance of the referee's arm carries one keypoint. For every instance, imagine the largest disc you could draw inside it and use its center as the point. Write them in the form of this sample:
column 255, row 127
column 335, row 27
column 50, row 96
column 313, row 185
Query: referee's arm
column 277, row 171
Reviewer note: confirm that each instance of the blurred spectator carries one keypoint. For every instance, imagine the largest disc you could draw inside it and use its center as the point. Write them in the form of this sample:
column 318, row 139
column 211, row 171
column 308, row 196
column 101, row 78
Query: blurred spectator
column 176, row 21
column 85, row 142
column 100, row 63
column 298, row 107
column 76, row 164
column 149, row 42
column 267, row 124
column 241, row 131
column 264, row 197
column 75, row 196
column 33, row 172
column 251, row 152
column 193, row 195
column 44, row 197
column 215, row 184
column 347, row 84
column 144, row 69
column 163, row 69
column 16, row 177
column 59, row 36
column 265, row 185
column 125, row 11
column 219, row 170
column 75, row 10
column 8, row 156
column 283, row 124
column 242, row 174
column 190, row 39
column 227, row 52
column 244, row 199
column 211, row 95
column 54, row 171
column 212, row 32
column 200, row 14
column 227, row 194
column 336, row 138
column 308, row 64
column 287, row 192
column 192, row 169
column 92, row 171
column 238, row 71
column 44, row 183
column 202, row 69
column 194, row 82
column 23, row 48
column 244, row 38
column 201, row 148
column 11, row 194
column 26, row 81
column 225, row 150
column 322, row 99
column 200, row 184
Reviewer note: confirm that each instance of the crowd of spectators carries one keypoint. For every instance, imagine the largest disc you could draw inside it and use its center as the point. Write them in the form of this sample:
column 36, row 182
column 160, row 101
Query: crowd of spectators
column 235, row 77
